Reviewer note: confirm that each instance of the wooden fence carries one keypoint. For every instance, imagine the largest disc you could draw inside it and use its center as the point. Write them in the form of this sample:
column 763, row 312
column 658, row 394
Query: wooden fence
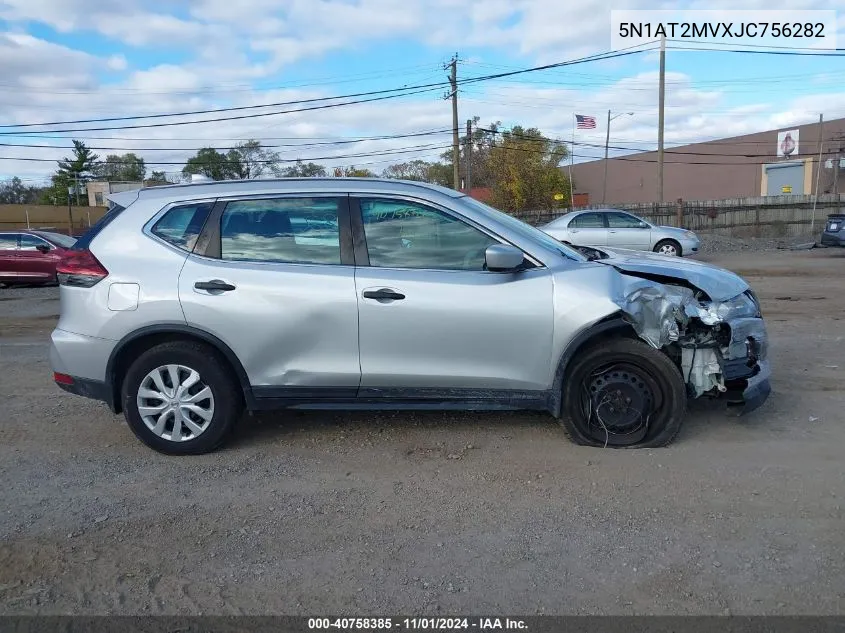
column 772, row 216
column 48, row 217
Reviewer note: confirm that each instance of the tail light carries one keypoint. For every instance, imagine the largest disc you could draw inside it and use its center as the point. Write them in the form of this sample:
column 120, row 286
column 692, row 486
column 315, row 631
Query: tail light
column 80, row 268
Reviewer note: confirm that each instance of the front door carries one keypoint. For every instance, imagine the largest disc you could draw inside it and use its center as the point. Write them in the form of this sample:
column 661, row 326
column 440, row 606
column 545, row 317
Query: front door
column 433, row 322
column 276, row 286
column 626, row 231
column 588, row 229
column 33, row 264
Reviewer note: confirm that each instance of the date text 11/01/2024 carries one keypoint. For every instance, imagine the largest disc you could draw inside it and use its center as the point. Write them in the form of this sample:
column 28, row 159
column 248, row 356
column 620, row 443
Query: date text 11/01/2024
column 735, row 30
column 418, row 624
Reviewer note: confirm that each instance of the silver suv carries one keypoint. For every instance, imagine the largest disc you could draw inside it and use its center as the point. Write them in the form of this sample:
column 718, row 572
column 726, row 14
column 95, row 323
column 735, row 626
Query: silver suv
column 187, row 304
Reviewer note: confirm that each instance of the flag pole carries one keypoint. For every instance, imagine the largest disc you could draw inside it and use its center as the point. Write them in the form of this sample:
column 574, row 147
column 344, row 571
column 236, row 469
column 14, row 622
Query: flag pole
column 571, row 158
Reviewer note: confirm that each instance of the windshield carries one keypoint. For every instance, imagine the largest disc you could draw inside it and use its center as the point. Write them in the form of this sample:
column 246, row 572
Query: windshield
column 65, row 241
column 526, row 230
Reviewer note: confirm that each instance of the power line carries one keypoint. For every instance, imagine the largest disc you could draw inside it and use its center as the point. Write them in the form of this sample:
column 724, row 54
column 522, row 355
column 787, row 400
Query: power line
column 404, row 150
column 231, row 118
column 263, row 146
column 383, row 94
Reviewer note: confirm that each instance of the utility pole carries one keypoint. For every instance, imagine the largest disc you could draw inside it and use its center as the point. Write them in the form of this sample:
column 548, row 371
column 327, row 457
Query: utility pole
column 660, row 118
column 836, row 160
column 606, row 146
column 456, row 151
column 76, row 186
column 69, row 215
column 818, row 173
column 469, row 156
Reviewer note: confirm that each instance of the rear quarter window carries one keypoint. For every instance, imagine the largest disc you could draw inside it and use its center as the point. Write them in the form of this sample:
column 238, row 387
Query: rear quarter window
column 182, row 224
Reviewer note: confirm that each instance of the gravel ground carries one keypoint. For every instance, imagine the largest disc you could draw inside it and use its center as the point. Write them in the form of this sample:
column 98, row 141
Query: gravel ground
column 309, row 513
column 724, row 244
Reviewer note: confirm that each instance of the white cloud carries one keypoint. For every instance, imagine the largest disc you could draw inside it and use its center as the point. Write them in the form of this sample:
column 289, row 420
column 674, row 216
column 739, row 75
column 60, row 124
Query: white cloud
column 230, row 44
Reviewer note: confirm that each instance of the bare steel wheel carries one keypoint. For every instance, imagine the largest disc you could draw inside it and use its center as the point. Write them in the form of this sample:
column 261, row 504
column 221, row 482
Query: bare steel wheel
column 668, row 247
column 175, row 403
column 623, row 393
column 181, row 397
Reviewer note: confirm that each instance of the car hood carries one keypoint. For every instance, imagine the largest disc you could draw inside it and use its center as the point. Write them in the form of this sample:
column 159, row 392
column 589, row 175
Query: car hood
column 718, row 283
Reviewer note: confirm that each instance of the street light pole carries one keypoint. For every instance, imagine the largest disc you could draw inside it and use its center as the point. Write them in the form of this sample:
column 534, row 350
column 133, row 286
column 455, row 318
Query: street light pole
column 606, row 147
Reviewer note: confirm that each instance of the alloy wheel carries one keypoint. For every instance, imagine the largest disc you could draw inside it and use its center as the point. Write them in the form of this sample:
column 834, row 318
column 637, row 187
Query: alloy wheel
column 175, row 403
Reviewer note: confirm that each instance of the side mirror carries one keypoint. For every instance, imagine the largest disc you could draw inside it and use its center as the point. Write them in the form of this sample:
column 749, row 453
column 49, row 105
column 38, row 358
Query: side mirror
column 645, row 225
column 42, row 248
column 502, row 258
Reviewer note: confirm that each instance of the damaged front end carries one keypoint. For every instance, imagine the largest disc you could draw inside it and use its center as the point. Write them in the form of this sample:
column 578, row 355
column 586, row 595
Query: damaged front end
column 719, row 346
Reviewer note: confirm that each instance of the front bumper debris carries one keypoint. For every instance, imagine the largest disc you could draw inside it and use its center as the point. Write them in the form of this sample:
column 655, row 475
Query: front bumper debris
column 718, row 354
column 746, row 394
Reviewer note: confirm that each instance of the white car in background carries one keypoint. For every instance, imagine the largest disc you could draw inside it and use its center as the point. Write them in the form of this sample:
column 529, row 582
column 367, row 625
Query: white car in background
column 614, row 228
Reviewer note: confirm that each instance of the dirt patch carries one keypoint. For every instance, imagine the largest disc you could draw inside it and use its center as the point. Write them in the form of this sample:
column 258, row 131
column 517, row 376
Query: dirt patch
column 433, row 513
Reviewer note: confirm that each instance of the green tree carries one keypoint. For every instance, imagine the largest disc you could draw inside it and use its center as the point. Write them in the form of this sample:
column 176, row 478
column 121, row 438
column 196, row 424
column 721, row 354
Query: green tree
column 13, row 191
column 303, row 170
column 126, row 167
column 251, row 160
column 440, row 174
column 216, row 165
column 411, row 170
column 353, row 172
column 525, row 170
column 72, row 172
column 483, row 140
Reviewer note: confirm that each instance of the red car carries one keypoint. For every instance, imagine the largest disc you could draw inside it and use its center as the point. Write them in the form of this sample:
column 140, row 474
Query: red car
column 31, row 256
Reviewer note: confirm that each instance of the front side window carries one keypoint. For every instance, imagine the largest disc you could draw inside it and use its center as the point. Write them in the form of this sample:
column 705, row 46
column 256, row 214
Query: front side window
column 182, row 224
column 587, row 221
column 286, row 230
column 9, row 242
column 407, row 235
column 623, row 221
column 31, row 243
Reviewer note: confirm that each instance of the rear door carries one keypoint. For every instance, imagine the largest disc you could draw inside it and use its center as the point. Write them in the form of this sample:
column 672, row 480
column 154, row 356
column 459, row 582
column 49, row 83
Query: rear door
column 434, row 324
column 33, row 264
column 627, row 231
column 9, row 256
column 274, row 279
column 588, row 229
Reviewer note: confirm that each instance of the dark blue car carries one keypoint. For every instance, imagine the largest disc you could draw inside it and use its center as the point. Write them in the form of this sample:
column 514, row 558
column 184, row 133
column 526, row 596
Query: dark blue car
column 834, row 232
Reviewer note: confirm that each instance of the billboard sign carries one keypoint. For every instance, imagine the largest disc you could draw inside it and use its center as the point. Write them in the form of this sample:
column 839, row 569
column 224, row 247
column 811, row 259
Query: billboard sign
column 787, row 144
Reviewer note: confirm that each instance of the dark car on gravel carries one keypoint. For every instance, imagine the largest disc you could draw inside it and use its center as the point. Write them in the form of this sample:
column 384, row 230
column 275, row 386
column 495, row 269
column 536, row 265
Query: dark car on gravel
column 28, row 257
column 834, row 232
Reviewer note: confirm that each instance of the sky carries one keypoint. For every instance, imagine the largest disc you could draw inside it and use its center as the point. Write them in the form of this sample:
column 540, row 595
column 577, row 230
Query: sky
column 86, row 59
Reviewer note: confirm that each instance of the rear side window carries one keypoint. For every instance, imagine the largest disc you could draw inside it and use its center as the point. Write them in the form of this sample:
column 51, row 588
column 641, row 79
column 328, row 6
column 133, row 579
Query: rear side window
column 288, row 230
column 623, row 221
column 9, row 242
column 587, row 221
column 182, row 224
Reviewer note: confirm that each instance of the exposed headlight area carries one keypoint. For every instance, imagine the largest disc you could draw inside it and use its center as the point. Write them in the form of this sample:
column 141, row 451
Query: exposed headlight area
column 741, row 306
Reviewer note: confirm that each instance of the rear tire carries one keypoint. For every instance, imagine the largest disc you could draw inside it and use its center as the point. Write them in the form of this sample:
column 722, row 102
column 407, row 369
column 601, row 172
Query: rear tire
column 184, row 390
column 623, row 393
column 668, row 247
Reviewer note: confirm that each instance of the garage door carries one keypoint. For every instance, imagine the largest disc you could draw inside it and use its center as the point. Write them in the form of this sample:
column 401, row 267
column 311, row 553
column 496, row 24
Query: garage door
column 785, row 179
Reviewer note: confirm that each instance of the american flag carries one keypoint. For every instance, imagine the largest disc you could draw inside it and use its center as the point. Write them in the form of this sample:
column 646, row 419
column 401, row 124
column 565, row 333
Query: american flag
column 583, row 122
